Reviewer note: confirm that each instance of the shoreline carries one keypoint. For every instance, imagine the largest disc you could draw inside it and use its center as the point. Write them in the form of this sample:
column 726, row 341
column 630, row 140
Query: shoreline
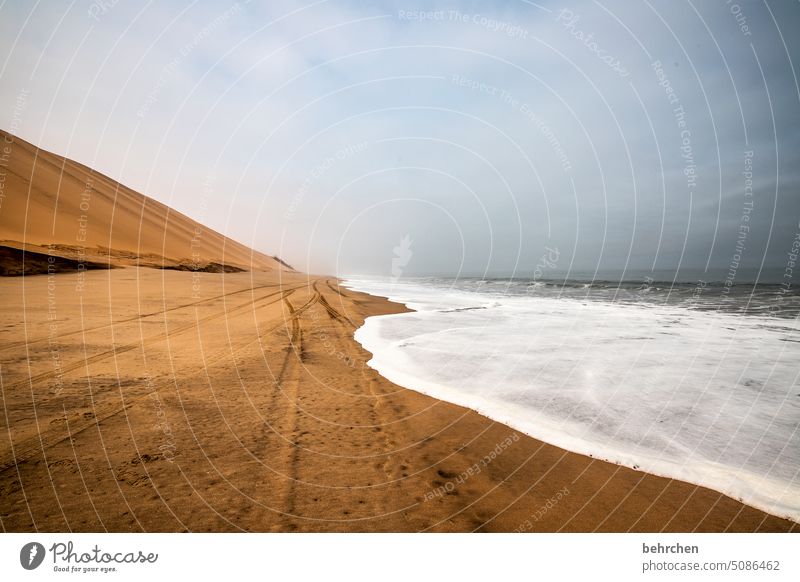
column 274, row 422
column 576, row 445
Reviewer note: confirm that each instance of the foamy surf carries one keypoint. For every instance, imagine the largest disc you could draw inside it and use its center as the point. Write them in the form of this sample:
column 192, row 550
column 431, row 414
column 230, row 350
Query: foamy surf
column 703, row 396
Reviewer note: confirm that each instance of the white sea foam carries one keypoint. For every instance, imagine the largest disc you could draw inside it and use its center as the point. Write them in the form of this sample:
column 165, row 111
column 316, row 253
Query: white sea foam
column 705, row 397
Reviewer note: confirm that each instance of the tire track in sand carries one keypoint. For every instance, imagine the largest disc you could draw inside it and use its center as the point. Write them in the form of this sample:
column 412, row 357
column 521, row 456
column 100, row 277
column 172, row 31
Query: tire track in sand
column 163, row 336
column 286, row 385
column 32, row 342
column 32, row 446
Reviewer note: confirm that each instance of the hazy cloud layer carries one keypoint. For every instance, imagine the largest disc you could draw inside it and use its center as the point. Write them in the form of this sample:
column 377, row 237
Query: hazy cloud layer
column 468, row 139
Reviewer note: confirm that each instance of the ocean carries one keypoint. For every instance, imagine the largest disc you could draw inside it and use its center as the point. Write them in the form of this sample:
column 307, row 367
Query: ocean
column 698, row 381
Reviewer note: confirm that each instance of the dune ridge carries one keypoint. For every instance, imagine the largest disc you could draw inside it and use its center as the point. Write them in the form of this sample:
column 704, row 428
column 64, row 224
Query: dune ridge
column 56, row 206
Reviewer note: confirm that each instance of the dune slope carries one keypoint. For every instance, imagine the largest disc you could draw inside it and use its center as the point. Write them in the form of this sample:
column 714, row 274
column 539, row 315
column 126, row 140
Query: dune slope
column 55, row 205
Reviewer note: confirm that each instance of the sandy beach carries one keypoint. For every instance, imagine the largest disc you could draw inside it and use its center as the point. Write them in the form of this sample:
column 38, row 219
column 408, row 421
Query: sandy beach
column 249, row 407
column 157, row 376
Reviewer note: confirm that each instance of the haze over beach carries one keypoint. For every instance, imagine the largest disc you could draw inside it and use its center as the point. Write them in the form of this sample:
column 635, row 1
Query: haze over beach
column 495, row 267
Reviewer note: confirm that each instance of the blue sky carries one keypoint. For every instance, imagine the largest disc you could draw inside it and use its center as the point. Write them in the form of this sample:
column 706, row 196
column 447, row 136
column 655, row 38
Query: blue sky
column 485, row 132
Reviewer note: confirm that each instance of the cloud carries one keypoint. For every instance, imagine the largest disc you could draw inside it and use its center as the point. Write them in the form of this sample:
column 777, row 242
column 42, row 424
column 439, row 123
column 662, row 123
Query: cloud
column 492, row 130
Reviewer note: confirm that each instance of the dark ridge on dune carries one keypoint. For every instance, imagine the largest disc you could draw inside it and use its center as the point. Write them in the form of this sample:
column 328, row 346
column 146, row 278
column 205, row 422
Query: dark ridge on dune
column 284, row 263
column 204, row 268
column 16, row 262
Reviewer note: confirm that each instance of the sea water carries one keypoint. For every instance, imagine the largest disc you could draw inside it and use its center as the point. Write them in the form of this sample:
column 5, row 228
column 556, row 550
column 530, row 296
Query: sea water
column 697, row 381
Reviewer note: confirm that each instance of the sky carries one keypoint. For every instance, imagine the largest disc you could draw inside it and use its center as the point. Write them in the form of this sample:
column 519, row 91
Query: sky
column 448, row 138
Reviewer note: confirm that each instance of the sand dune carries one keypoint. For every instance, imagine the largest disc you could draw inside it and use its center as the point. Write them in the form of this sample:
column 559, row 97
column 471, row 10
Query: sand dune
column 55, row 205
